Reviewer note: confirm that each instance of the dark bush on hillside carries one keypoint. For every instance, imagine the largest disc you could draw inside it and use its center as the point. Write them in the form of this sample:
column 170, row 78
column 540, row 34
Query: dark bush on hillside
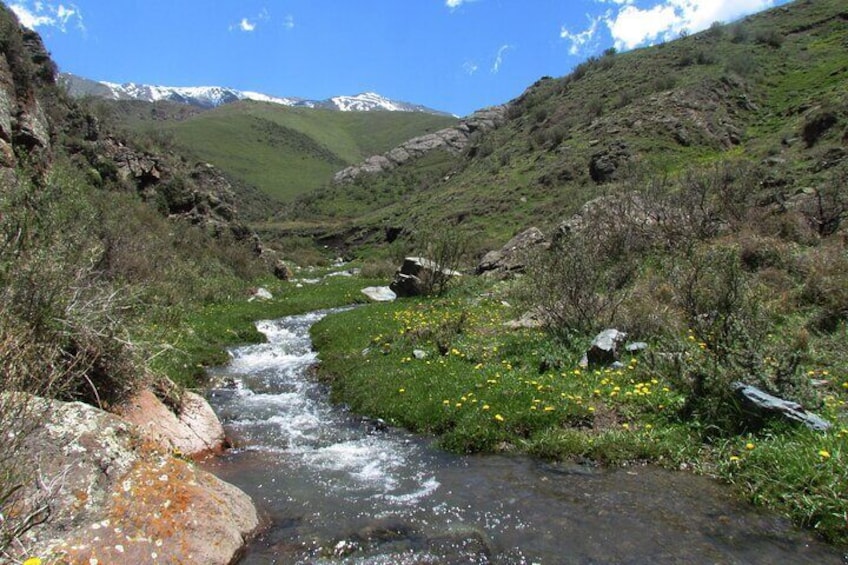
column 825, row 286
column 574, row 290
column 817, row 124
column 739, row 32
column 771, row 37
column 741, row 64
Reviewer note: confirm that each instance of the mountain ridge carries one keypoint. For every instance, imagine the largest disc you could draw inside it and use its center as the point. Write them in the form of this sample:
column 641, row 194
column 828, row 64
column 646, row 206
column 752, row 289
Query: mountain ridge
column 208, row 97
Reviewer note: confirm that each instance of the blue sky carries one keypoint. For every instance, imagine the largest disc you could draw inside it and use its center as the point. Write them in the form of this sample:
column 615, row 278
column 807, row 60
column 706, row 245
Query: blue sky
column 452, row 55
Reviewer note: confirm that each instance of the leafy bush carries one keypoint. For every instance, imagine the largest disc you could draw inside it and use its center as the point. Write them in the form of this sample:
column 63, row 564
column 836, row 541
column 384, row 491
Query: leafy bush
column 448, row 248
column 576, row 292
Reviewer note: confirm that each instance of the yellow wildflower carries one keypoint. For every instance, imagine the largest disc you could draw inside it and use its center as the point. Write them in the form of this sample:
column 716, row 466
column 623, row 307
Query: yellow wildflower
column 824, row 454
column 749, row 446
column 33, row 561
column 499, row 418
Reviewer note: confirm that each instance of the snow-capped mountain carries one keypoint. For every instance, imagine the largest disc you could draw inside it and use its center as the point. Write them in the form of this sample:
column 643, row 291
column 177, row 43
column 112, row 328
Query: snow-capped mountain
column 214, row 96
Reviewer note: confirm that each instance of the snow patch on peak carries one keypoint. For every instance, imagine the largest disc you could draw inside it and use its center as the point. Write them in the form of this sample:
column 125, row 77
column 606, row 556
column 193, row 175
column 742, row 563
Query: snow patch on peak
column 214, row 96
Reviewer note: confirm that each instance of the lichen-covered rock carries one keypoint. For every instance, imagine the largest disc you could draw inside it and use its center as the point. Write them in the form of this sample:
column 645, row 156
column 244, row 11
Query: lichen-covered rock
column 118, row 498
column 194, row 431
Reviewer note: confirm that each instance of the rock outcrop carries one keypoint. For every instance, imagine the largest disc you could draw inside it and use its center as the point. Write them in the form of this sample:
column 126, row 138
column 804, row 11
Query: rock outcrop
column 117, row 498
column 453, row 140
column 25, row 70
column 604, row 164
column 512, row 257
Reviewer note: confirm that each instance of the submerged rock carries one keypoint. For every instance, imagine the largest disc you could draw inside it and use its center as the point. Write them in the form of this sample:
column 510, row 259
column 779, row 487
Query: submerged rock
column 116, row 497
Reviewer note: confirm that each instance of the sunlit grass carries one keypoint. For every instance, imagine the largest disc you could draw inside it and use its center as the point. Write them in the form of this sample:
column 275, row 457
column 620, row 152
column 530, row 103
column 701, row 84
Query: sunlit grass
column 450, row 368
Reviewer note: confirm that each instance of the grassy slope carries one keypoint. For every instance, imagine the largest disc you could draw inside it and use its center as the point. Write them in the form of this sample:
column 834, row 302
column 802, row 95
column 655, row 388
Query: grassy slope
column 759, row 78
column 289, row 151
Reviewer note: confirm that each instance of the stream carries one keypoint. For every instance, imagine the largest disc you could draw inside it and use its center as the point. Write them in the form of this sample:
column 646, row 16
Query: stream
column 338, row 488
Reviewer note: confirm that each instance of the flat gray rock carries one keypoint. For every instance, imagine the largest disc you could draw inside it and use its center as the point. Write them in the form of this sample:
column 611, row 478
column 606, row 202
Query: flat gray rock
column 379, row 293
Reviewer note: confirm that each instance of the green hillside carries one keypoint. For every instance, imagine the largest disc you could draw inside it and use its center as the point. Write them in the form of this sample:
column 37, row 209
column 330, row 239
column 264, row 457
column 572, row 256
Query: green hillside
column 285, row 152
column 755, row 89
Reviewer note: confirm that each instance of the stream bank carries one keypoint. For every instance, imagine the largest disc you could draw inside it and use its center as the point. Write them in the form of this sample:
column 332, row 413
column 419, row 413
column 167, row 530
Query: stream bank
column 338, row 487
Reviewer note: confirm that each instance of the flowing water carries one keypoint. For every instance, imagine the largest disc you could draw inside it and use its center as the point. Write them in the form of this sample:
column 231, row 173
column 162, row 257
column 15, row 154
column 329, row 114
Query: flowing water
column 335, row 487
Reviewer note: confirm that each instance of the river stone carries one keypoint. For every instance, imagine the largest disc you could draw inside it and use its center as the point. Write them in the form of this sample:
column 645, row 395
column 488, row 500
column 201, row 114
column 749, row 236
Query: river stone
column 116, row 497
column 195, row 431
column 379, row 293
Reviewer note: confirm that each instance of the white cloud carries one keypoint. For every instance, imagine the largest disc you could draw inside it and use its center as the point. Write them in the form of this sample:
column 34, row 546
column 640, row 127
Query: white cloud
column 470, row 67
column 496, row 67
column 632, row 26
column 249, row 24
column 581, row 39
column 288, row 23
column 454, row 4
column 47, row 15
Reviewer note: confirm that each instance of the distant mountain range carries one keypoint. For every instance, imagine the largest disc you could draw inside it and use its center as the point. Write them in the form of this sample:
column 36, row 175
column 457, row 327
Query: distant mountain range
column 214, row 96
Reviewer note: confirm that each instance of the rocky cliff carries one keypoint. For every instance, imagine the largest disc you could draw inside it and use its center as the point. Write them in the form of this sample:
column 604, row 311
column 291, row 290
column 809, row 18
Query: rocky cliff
column 78, row 484
column 453, row 140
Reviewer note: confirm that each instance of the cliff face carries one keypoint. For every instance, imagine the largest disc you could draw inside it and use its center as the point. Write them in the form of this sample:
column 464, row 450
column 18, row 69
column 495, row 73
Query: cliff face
column 26, row 73
column 38, row 121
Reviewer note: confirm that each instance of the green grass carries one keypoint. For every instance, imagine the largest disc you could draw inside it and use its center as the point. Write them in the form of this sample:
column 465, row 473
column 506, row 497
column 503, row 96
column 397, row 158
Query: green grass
column 286, row 151
column 483, row 388
column 196, row 337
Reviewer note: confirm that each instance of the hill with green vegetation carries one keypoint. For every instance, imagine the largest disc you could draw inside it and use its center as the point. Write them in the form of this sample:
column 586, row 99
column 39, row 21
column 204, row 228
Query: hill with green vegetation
column 283, row 152
column 693, row 195
column 770, row 89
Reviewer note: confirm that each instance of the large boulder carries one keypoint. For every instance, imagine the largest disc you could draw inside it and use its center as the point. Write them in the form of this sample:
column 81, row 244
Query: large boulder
column 605, row 348
column 512, row 257
column 116, row 497
column 193, row 430
column 416, row 275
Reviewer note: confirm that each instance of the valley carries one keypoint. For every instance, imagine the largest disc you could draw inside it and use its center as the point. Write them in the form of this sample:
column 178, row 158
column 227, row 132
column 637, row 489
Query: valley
column 635, row 271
